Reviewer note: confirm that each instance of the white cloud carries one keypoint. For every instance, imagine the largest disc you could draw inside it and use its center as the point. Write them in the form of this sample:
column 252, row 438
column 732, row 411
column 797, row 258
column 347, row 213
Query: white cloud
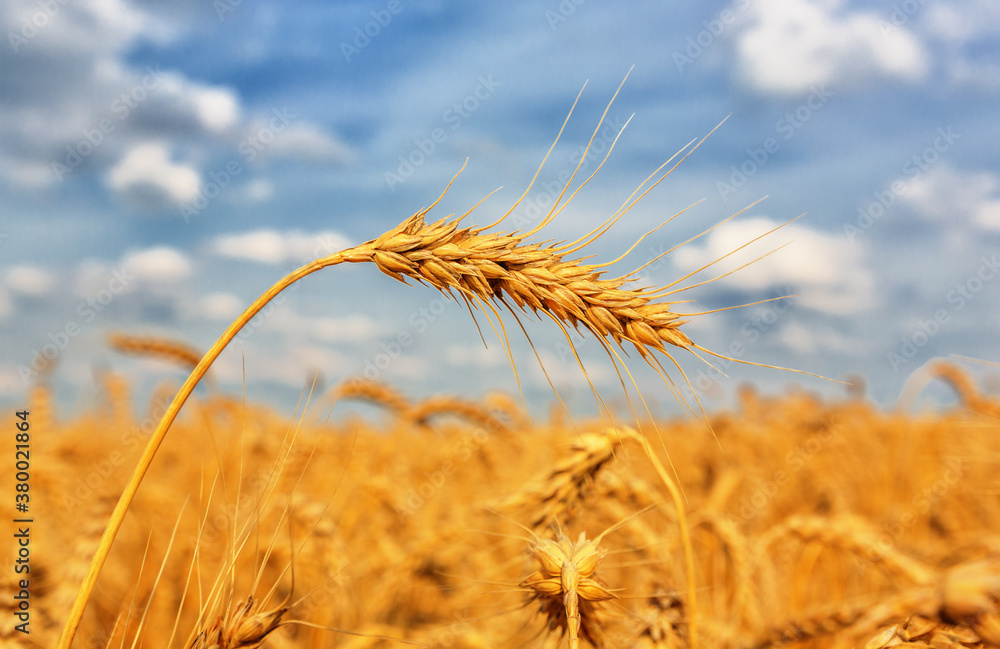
column 307, row 142
column 10, row 382
column 6, row 309
column 258, row 190
column 273, row 247
column 810, row 340
column 221, row 306
column 565, row 373
column 91, row 276
column 958, row 23
column 160, row 264
column 352, row 328
column 944, row 194
column 47, row 128
column 987, row 214
column 75, row 28
column 147, row 178
column 790, row 45
column 218, row 108
column 292, row 366
column 826, row 270
column 966, row 31
column 30, row 280
column 22, row 173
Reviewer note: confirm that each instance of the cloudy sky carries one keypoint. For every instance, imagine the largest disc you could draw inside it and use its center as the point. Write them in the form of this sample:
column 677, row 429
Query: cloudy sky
column 163, row 163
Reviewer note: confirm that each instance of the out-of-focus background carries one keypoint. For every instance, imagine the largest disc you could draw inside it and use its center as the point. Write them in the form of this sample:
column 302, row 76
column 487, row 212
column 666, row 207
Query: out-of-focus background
column 162, row 164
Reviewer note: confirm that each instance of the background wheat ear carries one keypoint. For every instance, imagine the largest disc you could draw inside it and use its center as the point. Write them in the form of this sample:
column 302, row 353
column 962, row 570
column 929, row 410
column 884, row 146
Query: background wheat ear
column 155, row 347
column 376, row 392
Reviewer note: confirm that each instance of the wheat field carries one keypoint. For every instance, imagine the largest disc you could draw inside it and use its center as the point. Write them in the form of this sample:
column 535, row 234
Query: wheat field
column 811, row 524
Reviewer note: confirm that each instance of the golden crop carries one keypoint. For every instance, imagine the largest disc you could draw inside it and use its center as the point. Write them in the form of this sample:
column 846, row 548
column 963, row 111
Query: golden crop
column 811, row 523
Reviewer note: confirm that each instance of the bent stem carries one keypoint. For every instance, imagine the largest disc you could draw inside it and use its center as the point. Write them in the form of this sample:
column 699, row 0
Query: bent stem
column 128, row 495
column 675, row 495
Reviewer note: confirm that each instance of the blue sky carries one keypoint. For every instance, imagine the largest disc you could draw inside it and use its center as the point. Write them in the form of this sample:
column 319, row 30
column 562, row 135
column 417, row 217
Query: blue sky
column 161, row 164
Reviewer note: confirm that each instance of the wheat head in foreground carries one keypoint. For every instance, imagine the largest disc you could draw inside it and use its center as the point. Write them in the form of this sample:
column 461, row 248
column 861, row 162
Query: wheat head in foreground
column 565, row 585
column 485, row 269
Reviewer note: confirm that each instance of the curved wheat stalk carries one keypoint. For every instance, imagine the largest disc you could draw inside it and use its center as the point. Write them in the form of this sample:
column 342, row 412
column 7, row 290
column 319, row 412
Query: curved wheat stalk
column 852, row 534
column 952, row 374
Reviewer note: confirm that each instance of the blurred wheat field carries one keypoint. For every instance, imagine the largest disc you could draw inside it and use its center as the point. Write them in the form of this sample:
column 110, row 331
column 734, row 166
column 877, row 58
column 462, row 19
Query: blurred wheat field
column 812, row 524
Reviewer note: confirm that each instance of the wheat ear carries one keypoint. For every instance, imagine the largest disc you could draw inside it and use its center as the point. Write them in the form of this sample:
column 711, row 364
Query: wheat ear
column 155, row 346
column 376, row 392
column 471, row 411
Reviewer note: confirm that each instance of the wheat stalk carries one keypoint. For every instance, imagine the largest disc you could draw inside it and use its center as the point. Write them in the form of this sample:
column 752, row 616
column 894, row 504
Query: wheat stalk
column 40, row 403
column 487, row 270
column 744, row 604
